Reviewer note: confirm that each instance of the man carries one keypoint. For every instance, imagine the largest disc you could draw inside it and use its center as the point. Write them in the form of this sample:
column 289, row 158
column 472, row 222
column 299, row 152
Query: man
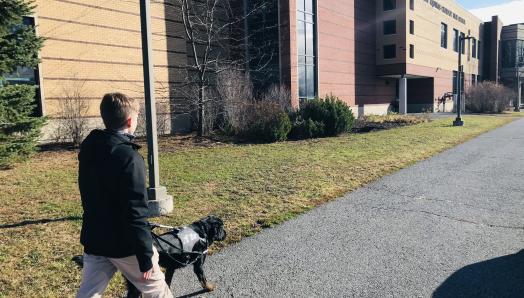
column 115, row 234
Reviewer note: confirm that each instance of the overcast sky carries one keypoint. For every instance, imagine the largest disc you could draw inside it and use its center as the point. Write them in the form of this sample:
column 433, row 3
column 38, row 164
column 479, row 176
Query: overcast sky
column 509, row 11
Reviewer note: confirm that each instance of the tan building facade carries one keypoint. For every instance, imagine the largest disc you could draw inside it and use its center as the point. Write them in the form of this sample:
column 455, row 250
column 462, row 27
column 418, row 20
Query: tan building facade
column 425, row 50
column 376, row 55
column 94, row 47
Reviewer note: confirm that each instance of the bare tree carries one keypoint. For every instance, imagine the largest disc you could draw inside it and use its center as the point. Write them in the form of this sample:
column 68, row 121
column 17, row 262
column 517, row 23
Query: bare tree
column 236, row 93
column 217, row 41
column 74, row 107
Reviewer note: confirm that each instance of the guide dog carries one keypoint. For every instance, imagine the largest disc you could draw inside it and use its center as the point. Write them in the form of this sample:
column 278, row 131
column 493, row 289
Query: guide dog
column 181, row 247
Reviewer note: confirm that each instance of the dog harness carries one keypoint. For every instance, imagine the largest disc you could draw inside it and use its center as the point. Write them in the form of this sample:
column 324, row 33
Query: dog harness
column 188, row 239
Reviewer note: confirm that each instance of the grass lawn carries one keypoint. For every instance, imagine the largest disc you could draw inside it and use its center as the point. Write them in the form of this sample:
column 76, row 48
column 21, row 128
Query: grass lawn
column 250, row 186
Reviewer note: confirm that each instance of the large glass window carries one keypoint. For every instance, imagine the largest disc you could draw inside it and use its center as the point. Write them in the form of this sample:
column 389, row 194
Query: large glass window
column 306, row 49
column 455, row 74
column 478, row 49
column 474, row 48
column 390, row 51
column 389, row 4
column 390, row 27
column 463, row 43
column 455, row 40
column 444, row 35
column 512, row 53
column 455, row 82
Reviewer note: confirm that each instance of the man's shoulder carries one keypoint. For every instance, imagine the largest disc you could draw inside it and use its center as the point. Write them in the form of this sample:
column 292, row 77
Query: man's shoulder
column 125, row 151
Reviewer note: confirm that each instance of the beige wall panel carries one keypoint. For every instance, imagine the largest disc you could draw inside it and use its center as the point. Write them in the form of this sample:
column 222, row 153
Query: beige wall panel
column 82, row 70
column 79, row 51
column 426, row 39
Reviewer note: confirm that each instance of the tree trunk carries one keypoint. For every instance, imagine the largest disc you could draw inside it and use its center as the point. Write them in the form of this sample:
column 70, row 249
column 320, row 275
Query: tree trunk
column 201, row 126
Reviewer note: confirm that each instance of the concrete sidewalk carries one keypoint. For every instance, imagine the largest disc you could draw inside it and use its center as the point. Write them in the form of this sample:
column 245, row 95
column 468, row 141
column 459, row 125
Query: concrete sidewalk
column 450, row 226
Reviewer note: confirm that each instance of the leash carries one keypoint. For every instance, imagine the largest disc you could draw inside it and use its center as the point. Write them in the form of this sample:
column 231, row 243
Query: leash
column 159, row 239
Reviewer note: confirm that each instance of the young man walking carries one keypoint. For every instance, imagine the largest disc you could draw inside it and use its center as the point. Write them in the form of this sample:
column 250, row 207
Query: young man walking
column 112, row 182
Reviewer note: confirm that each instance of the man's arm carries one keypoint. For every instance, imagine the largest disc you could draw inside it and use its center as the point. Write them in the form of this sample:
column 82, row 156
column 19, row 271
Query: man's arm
column 133, row 189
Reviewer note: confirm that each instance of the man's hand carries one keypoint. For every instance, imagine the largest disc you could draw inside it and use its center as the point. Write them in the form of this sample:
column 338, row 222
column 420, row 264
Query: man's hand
column 147, row 275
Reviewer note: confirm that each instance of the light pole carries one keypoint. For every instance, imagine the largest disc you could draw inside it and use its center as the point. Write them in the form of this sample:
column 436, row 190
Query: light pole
column 458, row 121
column 160, row 202
column 517, row 69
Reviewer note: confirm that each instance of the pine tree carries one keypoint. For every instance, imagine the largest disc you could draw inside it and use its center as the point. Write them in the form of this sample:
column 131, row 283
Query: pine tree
column 19, row 46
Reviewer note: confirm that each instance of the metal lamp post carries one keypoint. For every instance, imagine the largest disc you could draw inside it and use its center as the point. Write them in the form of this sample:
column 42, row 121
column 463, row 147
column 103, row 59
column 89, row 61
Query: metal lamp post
column 519, row 93
column 160, row 202
column 458, row 121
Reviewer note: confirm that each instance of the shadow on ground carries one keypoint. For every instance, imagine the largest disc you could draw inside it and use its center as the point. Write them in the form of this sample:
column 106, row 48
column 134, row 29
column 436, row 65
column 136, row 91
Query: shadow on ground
column 39, row 221
column 499, row 277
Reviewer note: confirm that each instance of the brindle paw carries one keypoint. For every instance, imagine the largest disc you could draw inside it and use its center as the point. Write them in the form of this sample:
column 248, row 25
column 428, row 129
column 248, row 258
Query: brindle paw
column 209, row 287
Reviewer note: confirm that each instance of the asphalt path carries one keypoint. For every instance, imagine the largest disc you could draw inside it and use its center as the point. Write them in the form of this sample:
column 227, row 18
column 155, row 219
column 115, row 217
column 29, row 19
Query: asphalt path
column 449, row 226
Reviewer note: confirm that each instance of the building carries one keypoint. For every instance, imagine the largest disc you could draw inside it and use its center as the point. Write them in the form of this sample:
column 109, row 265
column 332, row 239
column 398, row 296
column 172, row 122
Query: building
column 512, row 57
column 369, row 53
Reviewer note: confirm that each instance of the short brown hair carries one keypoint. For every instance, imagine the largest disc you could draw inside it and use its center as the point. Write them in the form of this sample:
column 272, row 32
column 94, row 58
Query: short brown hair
column 116, row 108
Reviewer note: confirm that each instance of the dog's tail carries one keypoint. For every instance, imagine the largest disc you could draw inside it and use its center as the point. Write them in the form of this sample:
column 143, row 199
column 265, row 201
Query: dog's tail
column 79, row 260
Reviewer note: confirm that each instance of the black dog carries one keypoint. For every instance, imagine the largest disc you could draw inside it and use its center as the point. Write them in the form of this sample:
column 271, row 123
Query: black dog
column 174, row 253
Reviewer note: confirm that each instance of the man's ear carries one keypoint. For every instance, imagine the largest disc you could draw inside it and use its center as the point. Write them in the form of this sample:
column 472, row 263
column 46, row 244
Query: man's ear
column 128, row 122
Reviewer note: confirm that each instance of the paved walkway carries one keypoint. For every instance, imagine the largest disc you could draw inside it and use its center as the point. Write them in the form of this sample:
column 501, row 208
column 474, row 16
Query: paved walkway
column 450, row 226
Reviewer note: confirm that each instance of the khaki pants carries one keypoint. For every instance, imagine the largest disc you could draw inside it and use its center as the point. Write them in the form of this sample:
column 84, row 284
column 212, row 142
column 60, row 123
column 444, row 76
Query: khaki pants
column 98, row 271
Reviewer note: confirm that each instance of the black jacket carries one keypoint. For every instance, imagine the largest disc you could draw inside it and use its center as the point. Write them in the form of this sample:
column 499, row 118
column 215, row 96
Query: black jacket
column 112, row 185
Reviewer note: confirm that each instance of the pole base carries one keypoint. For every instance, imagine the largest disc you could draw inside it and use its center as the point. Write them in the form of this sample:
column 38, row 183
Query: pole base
column 517, row 109
column 160, row 203
column 458, row 122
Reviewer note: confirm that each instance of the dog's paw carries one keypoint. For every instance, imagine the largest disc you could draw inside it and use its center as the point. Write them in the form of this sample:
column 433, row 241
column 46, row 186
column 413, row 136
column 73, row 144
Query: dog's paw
column 209, row 287
column 79, row 260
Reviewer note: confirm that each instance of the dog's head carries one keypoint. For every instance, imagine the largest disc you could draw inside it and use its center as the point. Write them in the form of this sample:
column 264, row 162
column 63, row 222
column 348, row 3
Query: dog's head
column 213, row 226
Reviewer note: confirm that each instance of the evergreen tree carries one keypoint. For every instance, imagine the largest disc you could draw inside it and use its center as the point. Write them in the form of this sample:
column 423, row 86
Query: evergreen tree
column 19, row 46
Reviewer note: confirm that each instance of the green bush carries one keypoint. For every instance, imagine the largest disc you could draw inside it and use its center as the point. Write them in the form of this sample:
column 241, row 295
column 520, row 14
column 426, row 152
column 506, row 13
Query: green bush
column 19, row 130
column 306, row 129
column 267, row 123
column 322, row 118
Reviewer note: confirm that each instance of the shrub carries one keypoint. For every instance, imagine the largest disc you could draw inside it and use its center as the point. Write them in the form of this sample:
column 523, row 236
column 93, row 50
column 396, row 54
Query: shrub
column 268, row 123
column 19, row 130
column 488, row 97
column 323, row 118
column 74, row 110
column 306, row 129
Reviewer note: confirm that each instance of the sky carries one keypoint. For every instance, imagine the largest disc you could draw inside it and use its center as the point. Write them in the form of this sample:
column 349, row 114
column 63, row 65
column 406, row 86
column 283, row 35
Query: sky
column 509, row 11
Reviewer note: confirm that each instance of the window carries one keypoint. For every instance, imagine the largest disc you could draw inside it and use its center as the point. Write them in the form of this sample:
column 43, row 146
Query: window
column 512, row 53
column 474, row 48
column 307, row 87
column 455, row 40
column 478, row 49
column 455, row 82
column 26, row 75
column 389, row 4
column 455, row 74
column 390, row 51
column 444, row 35
column 411, row 51
column 463, row 43
column 390, row 27
column 411, row 27
column 412, row 4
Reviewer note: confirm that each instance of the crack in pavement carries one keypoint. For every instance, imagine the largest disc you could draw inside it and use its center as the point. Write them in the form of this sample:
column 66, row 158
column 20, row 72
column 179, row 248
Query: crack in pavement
column 425, row 198
column 446, row 216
